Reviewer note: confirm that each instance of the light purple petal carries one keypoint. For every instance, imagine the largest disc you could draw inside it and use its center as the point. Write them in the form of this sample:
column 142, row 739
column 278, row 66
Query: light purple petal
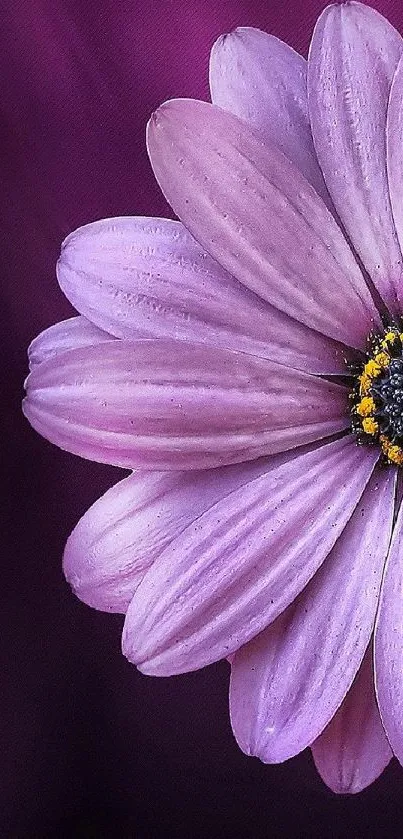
column 389, row 644
column 170, row 405
column 353, row 749
column 263, row 81
column 257, row 215
column 67, row 335
column 353, row 57
column 287, row 683
column 394, row 134
column 242, row 563
column 148, row 277
column 124, row 532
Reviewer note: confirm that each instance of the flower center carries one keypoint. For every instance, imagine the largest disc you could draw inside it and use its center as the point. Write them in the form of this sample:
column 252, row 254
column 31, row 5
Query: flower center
column 377, row 396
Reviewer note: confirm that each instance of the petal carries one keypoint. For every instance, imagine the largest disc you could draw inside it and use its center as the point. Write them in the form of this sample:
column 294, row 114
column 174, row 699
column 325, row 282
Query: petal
column 263, row 81
column 67, row 335
column 394, row 134
column 124, row 532
column 256, row 214
column 170, row 405
column 148, row 277
column 353, row 56
column 389, row 644
column 353, row 750
column 231, row 574
column 287, row 683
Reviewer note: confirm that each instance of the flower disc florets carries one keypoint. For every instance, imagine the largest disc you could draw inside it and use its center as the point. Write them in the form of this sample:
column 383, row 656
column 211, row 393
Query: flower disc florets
column 377, row 397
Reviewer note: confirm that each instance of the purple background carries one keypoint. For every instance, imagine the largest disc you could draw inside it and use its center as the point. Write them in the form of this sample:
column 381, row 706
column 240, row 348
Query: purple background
column 89, row 747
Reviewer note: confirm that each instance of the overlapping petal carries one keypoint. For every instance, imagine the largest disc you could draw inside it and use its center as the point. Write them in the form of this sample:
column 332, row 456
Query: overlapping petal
column 148, row 277
column 353, row 750
column 288, row 682
column 124, row 532
column 249, row 206
column 242, row 563
column 389, row 644
column 167, row 404
column 353, row 56
column 263, row 81
column 63, row 336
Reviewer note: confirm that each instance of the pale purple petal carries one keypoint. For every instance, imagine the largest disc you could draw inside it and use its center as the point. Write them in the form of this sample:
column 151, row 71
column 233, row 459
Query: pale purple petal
column 353, row 750
column 124, row 532
column 249, row 206
column 244, row 561
column 287, row 683
column 394, row 134
column 389, row 644
column 148, row 277
column 63, row 336
column 353, row 57
column 164, row 404
column 263, row 81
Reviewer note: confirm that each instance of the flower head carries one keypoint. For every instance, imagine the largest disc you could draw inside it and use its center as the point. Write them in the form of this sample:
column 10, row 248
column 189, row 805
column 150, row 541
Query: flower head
column 247, row 363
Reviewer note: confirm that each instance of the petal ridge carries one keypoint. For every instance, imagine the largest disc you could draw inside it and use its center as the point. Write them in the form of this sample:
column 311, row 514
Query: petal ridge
column 288, row 682
column 214, row 589
column 352, row 59
column 223, row 181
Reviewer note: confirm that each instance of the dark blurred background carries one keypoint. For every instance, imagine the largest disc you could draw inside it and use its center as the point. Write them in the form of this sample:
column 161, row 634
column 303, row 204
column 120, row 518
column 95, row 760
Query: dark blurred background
column 88, row 746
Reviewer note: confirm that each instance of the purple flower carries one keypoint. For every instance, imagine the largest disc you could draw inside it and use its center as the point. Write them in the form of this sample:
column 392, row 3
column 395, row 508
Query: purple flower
column 234, row 359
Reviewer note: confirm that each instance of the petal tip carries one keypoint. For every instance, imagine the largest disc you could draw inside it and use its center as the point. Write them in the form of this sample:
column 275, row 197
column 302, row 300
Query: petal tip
column 159, row 119
column 237, row 33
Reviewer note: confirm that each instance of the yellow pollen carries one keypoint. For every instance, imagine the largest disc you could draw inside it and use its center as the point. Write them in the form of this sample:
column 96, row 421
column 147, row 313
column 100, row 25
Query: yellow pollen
column 366, row 407
column 382, row 359
column 365, row 384
column 372, row 369
column 376, row 396
column 370, row 425
column 389, row 338
column 393, row 453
